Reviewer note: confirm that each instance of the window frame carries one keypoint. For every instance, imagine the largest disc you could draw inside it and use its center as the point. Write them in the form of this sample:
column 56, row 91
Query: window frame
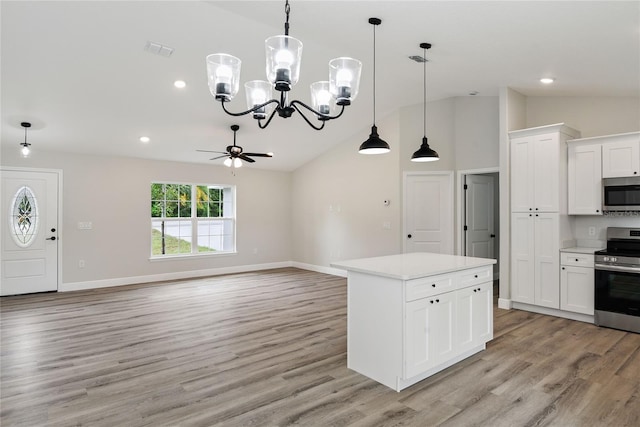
column 194, row 219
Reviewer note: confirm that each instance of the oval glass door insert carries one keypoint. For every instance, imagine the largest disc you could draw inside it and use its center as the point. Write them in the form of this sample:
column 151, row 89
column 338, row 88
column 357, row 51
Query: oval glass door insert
column 24, row 217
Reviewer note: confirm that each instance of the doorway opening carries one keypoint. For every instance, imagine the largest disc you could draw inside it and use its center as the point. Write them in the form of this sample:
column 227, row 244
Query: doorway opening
column 479, row 214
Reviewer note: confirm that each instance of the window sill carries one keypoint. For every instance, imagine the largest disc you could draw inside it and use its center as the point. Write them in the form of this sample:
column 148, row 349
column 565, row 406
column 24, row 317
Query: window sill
column 190, row 256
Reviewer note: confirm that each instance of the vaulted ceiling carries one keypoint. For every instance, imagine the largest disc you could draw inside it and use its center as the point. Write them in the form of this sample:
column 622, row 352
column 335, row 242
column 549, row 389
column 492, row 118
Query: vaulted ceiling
column 79, row 72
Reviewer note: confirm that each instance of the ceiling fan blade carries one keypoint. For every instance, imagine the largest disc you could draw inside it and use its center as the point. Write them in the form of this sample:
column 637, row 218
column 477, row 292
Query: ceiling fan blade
column 245, row 158
column 209, row 151
column 258, row 154
column 219, row 157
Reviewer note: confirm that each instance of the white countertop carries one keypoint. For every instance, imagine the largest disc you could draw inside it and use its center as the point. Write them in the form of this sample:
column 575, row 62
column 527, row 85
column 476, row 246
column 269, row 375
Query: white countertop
column 580, row 250
column 412, row 265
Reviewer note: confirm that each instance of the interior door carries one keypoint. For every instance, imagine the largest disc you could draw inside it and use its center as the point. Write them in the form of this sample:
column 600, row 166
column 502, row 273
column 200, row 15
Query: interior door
column 479, row 232
column 428, row 208
column 29, row 217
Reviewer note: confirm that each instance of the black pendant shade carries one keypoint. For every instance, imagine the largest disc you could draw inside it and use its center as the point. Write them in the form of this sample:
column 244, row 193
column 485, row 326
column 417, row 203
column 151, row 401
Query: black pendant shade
column 424, row 153
column 374, row 145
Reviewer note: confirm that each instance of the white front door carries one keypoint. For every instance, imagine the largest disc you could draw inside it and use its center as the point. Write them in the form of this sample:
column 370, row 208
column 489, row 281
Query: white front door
column 29, row 216
column 479, row 231
column 428, row 205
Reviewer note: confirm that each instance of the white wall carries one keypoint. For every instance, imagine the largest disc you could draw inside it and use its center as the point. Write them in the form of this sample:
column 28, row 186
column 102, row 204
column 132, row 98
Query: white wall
column 337, row 201
column 114, row 194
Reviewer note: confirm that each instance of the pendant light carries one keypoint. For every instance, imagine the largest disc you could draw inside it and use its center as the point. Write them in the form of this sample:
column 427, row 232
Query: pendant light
column 25, row 150
column 374, row 145
column 424, row 153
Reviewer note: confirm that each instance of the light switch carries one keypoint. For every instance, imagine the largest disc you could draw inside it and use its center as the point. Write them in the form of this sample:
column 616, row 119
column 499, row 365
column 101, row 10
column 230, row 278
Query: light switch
column 85, row 225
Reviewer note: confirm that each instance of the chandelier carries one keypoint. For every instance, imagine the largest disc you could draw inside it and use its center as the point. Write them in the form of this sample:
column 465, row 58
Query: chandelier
column 283, row 55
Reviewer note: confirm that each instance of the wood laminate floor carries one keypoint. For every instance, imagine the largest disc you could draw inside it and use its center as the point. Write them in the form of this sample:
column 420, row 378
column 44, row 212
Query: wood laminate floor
column 269, row 349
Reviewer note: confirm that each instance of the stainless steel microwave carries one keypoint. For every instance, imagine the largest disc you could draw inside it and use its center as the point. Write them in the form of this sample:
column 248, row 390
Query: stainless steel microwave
column 621, row 194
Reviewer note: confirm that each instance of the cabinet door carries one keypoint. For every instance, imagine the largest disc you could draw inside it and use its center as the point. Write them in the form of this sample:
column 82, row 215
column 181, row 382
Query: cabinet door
column 577, row 289
column 522, row 257
column 429, row 338
column 483, row 313
column 585, row 180
column 546, row 173
column 522, row 175
column 474, row 316
column 547, row 260
column 620, row 159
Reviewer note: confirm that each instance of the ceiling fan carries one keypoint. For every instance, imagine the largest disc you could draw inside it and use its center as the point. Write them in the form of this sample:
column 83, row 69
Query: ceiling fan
column 234, row 153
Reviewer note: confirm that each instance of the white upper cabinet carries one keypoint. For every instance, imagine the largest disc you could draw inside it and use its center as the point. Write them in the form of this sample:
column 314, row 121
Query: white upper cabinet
column 621, row 155
column 538, row 168
column 584, row 178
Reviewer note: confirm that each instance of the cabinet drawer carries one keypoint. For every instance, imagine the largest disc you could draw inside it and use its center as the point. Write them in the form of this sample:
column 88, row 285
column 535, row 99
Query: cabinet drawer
column 576, row 259
column 427, row 286
column 475, row 276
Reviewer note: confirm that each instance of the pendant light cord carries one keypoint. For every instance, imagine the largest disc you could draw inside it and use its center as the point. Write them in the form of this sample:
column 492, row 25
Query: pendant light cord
column 424, row 103
column 374, row 74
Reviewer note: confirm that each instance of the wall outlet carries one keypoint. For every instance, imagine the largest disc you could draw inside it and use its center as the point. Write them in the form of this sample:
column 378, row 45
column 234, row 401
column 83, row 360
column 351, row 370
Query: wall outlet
column 85, row 225
column 386, row 225
column 592, row 231
column 81, row 263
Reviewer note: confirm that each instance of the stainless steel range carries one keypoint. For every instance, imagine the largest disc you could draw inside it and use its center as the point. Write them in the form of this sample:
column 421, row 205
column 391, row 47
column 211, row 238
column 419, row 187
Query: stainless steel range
column 617, row 280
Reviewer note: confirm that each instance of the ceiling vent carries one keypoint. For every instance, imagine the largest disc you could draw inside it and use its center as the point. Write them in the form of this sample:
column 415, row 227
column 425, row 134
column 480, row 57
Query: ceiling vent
column 158, row 49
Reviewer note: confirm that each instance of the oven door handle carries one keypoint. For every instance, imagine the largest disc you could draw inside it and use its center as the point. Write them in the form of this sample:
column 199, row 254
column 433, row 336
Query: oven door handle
column 617, row 268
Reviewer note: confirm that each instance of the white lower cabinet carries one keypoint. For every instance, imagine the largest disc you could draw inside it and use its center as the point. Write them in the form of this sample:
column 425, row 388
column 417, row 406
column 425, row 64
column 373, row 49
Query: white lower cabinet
column 577, row 283
column 442, row 326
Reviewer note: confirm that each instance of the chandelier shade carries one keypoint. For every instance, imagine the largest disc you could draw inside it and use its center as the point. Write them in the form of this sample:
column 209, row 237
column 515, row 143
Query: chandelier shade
column 284, row 55
column 223, row 71
column 283, row 61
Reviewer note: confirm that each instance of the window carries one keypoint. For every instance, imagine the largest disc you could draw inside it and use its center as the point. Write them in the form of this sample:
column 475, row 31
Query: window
column 192, row 219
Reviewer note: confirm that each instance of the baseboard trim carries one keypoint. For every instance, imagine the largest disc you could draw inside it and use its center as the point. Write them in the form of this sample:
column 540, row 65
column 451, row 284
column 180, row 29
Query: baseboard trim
column 504, row 303
column 554, row 312
column 319, row 268
column 122, row 281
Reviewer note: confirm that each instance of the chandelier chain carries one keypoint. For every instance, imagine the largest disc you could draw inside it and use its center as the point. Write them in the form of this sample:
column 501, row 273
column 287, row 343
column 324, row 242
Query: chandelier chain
column 424, row 103
column 287, row 10
column 374, row 74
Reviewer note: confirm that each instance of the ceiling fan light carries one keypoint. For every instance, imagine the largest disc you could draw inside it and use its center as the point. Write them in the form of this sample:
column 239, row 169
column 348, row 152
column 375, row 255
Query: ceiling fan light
column 223, row 72
column 284, row 54
column 228, row 161
column 344, row 79
column 374, row 145
column 258, row 92
column 425, row 153
column 237, row 163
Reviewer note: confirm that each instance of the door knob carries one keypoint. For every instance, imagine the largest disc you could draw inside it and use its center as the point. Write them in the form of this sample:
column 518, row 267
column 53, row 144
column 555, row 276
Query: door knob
column 51, row 238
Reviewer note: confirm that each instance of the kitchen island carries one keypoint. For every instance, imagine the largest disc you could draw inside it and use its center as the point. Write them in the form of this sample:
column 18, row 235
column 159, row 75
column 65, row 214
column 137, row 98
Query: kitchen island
column 412, row 315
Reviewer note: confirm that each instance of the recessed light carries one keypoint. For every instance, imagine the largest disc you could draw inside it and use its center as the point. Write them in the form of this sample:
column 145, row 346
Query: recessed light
column 547, row 80
column 180, row 84
column 474, row 93
column 145, row 139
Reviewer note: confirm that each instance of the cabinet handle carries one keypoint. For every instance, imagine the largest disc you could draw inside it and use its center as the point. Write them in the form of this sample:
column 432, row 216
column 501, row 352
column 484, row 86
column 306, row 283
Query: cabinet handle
column 577, row 260
column 476, row 276
column 563, row 268
column 51, row 238
column 437, row 300
column 431, row 301
column 433, row 286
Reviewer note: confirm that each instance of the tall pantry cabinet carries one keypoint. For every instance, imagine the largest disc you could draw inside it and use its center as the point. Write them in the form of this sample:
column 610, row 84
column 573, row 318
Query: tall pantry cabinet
column 539, row 222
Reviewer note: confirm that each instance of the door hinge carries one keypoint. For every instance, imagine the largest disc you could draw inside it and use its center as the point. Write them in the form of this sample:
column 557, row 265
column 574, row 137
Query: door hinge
column 466, row 186
column 465, row 228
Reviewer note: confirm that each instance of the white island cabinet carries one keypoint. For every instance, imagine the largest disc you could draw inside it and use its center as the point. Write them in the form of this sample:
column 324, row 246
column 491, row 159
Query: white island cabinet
column 412, row 315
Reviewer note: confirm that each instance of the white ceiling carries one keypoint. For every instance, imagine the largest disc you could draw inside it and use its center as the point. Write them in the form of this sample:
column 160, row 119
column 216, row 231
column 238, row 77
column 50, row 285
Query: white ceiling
column 78, row 70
